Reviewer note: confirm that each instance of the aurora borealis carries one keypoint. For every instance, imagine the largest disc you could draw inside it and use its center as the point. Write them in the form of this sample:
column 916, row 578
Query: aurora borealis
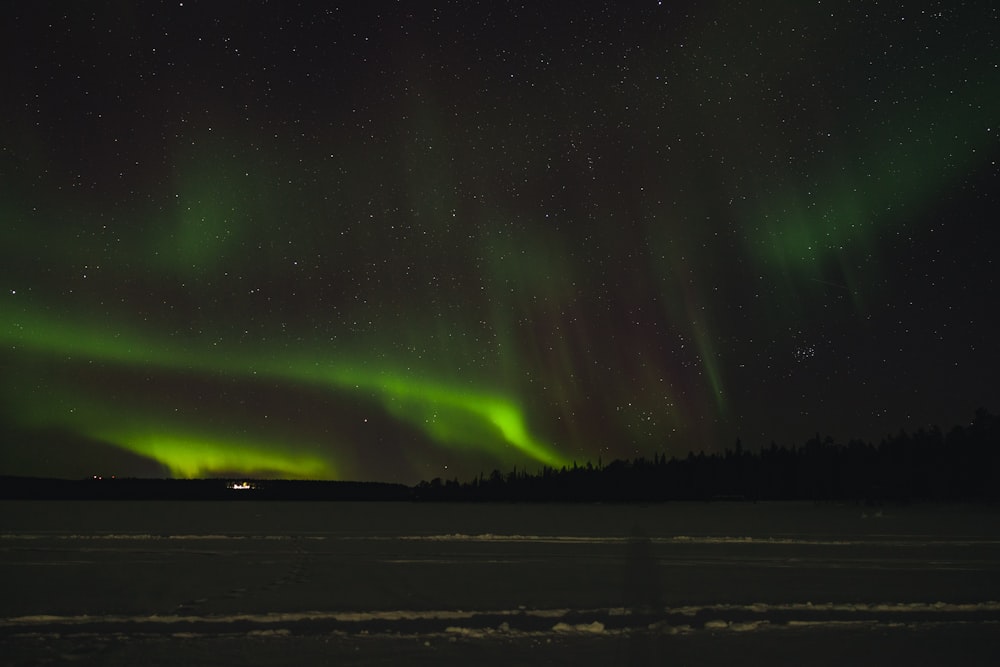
column 404, row 241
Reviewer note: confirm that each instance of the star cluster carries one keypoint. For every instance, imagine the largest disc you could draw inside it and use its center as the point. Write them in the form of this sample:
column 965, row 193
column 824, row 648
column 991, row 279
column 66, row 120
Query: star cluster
column 397, row 242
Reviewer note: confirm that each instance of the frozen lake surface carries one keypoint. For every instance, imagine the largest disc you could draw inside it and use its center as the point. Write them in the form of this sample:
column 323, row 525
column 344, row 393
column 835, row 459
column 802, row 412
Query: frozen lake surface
column 367, row 583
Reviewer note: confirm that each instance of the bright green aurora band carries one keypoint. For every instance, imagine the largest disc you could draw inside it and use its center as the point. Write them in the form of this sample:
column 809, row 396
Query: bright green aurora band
column 433, row 273
column 449, row 414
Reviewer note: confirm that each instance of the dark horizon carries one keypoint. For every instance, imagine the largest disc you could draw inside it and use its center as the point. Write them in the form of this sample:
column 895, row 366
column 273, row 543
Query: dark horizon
column 962, row 464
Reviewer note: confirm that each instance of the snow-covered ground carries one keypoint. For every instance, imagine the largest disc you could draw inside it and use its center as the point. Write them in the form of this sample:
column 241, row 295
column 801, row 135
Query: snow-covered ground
column 104, row 582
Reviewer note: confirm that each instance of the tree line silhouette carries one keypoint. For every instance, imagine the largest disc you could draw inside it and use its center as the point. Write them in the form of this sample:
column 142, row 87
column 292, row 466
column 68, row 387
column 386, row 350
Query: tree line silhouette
column 927, row 465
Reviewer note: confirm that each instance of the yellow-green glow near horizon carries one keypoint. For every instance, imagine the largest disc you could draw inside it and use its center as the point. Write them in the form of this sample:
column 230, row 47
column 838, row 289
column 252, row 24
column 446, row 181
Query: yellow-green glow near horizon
column 192, row 457
column 452, row 415
column 186, row 446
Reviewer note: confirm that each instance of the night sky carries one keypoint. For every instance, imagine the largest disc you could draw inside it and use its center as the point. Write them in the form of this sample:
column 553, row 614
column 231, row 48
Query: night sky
column 401, row 241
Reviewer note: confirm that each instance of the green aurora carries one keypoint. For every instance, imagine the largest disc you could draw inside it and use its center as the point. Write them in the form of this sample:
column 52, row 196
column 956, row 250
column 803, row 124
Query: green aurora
column 596, row 244
column 450, row 415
